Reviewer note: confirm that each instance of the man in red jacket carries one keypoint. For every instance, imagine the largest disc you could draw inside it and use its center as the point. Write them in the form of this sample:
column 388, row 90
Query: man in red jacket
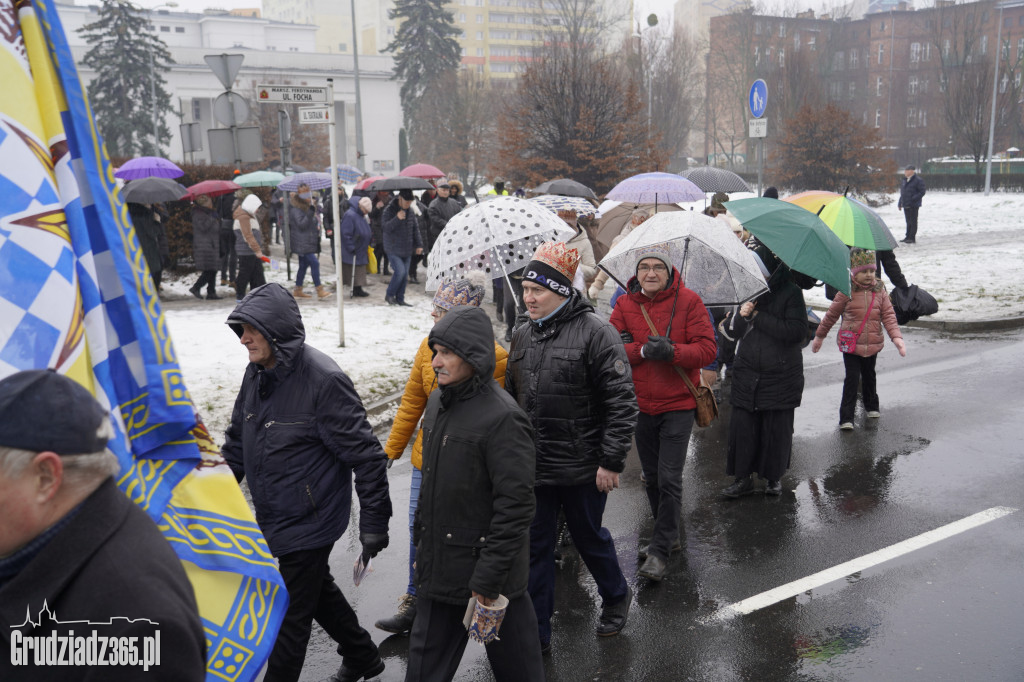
column 674, row 336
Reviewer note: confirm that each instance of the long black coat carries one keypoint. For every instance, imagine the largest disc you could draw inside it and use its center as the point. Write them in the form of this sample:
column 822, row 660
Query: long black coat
column 768, row 370
column 205, row 238
column 110, row 560
column 571, row 376
column 150, row 233
column 302, row 227
column 401, row 237
column 476, row 498
column 298, row 432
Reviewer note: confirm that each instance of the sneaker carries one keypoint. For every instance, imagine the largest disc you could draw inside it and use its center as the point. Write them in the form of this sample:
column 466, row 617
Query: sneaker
column 613, row 618
column 401, row 622
column 846, row 426
column 874, row 414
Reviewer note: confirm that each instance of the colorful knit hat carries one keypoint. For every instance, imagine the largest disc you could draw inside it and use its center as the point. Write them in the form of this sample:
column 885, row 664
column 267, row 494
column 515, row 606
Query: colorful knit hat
column 453, row 292
column 553, row 266
column 862, row 259
column 659, row 251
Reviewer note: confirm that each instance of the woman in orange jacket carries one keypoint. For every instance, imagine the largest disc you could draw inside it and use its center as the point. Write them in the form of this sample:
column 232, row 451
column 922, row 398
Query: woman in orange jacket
column 422, row 382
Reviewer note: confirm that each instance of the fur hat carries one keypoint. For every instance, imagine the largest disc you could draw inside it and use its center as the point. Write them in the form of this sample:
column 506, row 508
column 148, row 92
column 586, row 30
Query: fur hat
column 862, row 259
column 469, row 291
column 568, row 215
column 719, row 199
column 553, row 266
column 365, row 204
column 443, row 182
column 455, row 185
column 659, row 251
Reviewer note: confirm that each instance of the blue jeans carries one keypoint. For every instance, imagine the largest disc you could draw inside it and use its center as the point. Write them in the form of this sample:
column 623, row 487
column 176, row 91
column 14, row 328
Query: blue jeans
column 396, row 287
column 414, row 500
column 584, row 507
column 313, row 263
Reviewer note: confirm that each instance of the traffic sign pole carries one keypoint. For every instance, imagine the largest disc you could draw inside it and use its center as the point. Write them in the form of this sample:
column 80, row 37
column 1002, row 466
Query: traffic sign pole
column 339, row 290
column 757, row 100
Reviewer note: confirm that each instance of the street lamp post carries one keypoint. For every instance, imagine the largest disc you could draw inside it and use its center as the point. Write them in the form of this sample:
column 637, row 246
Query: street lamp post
column 152, row 85
column 995, row 90
column 652, row 21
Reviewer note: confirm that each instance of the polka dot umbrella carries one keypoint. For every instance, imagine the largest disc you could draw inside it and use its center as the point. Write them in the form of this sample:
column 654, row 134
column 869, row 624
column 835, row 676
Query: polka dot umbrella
column 497, row 237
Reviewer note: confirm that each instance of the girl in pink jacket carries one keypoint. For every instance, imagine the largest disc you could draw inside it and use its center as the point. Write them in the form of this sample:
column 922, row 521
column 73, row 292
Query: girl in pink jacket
column 864, row 314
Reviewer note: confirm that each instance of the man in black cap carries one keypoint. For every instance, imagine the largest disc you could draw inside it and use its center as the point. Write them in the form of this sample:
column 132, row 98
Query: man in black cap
column 74, row 548
column 441, row 210
column 911, row 192
column 401, row 240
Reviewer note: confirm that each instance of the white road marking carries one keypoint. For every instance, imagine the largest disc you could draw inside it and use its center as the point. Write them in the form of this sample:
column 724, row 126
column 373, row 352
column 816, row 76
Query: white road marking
column 773, row 596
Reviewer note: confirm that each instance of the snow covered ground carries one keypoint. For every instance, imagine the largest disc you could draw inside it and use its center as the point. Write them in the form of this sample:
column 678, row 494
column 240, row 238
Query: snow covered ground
column 969, row 255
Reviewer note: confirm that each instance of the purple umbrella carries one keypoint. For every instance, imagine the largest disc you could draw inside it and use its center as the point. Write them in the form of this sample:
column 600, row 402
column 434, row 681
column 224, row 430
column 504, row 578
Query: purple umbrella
column 148, row 167
column 655, row 188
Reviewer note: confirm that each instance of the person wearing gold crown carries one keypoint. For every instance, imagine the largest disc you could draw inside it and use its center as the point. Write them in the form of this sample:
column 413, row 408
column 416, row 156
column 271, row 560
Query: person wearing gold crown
column 422, row 382
column 569, row 372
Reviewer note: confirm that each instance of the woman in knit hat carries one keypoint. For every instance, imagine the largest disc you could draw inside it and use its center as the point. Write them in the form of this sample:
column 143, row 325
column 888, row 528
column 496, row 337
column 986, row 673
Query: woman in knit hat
column 864, row 313
column 422, row 382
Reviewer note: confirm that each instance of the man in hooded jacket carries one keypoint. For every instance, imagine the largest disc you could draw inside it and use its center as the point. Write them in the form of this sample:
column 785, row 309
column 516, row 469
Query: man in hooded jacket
column 476, row 505
column 298, row 433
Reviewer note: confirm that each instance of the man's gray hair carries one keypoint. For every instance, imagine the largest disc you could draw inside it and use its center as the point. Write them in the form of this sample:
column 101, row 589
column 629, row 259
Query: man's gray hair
column 78, row 469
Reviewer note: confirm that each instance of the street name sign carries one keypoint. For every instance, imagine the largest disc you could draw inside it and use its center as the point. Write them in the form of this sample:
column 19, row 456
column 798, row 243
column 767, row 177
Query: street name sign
column 314, row 114
column 291, row 94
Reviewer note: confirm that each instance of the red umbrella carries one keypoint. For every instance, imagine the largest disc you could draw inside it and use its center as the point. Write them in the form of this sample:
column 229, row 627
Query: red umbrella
column 214, row 188
column 421, row 170
column 363, row 184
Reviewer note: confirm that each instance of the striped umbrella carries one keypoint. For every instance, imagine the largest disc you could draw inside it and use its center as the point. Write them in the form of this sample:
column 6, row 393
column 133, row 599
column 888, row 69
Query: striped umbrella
column 853, row 222
column 346, row 173
column 556, row 203
column 313, row 180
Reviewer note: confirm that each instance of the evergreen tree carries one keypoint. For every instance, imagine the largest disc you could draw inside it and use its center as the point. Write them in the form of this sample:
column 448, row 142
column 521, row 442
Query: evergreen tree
column 424, row 48
column 130, row 62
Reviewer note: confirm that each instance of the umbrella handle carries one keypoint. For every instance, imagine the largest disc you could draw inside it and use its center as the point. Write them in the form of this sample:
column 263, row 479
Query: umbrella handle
column 511, row 291
column 616, row 279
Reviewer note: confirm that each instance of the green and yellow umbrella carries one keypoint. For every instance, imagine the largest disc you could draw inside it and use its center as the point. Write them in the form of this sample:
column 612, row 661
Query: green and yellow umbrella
column 853, row 222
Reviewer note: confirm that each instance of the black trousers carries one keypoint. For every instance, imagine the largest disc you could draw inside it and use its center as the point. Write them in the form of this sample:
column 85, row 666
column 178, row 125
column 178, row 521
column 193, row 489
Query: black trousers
column 228, row 256
column 382, row 259
column 858, row 371
column 498, row 290
column 661, row 442
column 438, row 640
column 760, row 442
column 910, row 212
column 250, row 274
column 314, row 595
column 208, row 278
column 510, row 302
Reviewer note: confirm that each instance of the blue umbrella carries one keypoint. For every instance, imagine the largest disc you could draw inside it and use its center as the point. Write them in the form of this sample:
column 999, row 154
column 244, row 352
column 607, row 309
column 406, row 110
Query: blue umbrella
column 346, row 173
column 656, row 188
column 314, row 180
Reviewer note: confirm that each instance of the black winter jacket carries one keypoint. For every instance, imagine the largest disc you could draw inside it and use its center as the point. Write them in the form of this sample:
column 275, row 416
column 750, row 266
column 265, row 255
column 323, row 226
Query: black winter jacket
column 401, row 237
column 911, row 191
column 298, row 432
column 441, row 211
column 572, row 378
column 476, row 499
column 768, row 371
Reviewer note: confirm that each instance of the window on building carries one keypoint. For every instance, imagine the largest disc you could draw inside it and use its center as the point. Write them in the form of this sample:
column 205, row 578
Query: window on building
column 878, row 86
column 757, row 55
column 462, row 17
column 196, row 110
column 479, row 52
column 1016, row 80
column 1005, row 52
column 838, row 61
column 480, row 68
column 881, row 52
column 342, row 47
column 479, row 18
column 911, row 117
column 852, row 94
column 881, row 26
column 812, row 43
column 782, row 57
column 1003, row 82
column 922, row 118
column 462, row 51
column 915, row 52
column 179, row 29
column 782, row 30
column 462, row 35
column 165, row 29
column 942, row 83
column 796, row 40
column 945, row 48
column 912, row 85
column 835, row 90
column 927, row 52
column 1007, row 22
column 878, row 118
column 853, row 58
column 757, row 28
column 479, row 35
column 479, row 3
column 1020, row 49
column 984, row 45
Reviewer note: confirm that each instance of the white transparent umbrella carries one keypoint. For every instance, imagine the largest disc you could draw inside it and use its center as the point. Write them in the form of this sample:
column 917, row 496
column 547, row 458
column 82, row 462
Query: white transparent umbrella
column 713, row 262
column 497, row 237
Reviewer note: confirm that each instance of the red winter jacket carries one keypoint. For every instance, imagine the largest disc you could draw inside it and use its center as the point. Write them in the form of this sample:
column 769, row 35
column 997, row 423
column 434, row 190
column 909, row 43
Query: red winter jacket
column 659, row 388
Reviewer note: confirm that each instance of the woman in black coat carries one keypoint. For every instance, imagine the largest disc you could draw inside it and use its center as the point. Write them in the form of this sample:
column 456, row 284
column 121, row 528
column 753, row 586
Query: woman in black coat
column 205, row 246
column 767, row 381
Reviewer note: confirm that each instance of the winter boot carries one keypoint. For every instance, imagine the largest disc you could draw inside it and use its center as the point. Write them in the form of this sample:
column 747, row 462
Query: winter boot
column 195, row 292
column 401, row 622
column 323, row 293
column 297, row 292
column 359, row 292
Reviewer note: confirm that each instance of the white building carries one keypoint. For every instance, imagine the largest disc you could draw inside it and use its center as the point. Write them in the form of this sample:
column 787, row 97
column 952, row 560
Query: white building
column 275, row 52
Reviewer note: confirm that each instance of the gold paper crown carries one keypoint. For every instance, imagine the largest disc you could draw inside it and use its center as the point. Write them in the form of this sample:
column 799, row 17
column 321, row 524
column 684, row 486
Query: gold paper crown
column 862, row 259
column 559, row 257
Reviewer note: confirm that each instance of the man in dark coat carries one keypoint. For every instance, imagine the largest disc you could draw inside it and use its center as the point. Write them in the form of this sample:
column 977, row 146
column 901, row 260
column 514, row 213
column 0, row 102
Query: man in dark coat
column 767, row 381
column 401, row 242
column 149, row 230
column 298, row 433
column 682, row 341
column 205, row 246
column 568, row 370
column 911, row 192
column 380, row 202
column 476, row 504
column 74, row 548
column 228, row 255
column 440, row 211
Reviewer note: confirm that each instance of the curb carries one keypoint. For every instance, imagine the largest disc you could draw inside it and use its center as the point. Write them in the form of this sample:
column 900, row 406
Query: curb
column 381, row 406
column 999, row 324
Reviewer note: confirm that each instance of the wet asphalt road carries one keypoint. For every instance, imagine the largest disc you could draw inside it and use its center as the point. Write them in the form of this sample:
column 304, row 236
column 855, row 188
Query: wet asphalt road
column 947, row 446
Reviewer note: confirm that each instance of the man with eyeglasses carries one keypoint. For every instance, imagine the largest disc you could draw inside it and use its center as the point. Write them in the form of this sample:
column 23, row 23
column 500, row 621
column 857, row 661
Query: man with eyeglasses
column 667, row 332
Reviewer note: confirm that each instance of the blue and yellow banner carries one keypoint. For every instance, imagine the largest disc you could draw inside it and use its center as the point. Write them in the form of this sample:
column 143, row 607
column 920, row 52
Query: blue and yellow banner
column 76, row 295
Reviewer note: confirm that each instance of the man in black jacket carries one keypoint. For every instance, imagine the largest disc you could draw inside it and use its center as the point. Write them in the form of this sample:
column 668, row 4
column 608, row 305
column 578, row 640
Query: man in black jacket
column 911, row 192
column 440, row 210
column 569, row 372
column 298, row 433
column 74, row 548
column 476, row 504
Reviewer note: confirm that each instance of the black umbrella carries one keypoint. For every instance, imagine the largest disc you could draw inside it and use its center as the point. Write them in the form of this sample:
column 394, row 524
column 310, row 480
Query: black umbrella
column 399, row 182
column 566, row 188
column 152, row 191
column 711, row 179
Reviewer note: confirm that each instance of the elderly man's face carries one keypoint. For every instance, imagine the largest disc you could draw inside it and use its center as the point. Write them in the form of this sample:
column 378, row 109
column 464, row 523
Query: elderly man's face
column 24, row 512
column 443, row 192
column 259, row 348
column 449, row 367
column 908, row 173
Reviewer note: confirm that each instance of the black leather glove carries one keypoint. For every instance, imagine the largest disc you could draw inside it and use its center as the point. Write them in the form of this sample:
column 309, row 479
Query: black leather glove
column 626, row 337
column 659, row 348
column 373, row 543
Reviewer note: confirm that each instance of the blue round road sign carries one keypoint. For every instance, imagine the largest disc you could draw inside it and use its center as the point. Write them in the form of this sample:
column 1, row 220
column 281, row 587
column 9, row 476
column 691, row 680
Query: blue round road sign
column 758, row 98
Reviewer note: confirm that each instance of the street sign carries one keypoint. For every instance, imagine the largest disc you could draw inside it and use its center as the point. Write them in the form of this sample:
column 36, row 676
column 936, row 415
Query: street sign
column 225, row 67
column 222, row 149
column 314, row 114
column 758, row 98
column 291, row 94
column 757, row 127
column 230, row 108
column 191, row 137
